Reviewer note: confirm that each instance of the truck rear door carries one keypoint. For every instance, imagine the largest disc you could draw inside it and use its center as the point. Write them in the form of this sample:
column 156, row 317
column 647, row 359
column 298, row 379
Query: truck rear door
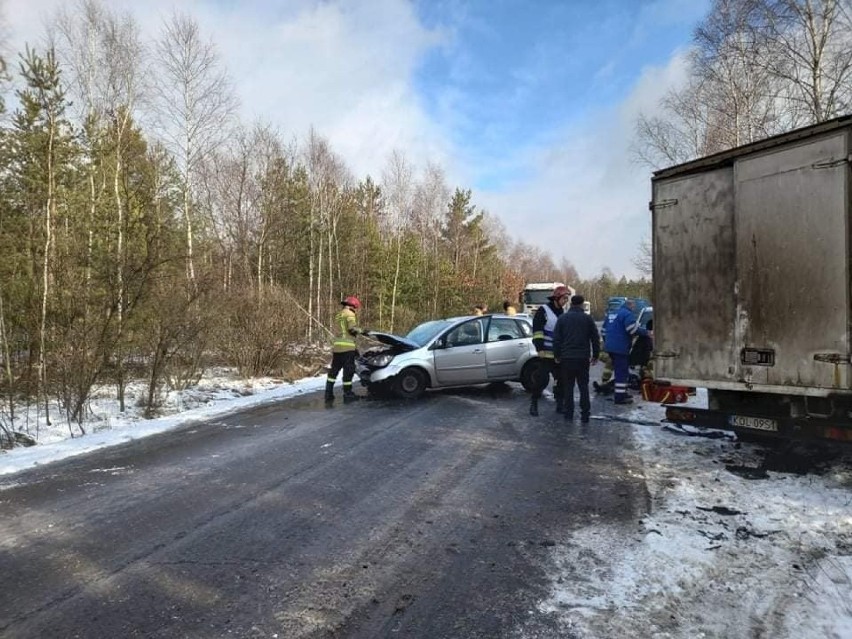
column 793, row 262
column 751, row 269
column 694, row 276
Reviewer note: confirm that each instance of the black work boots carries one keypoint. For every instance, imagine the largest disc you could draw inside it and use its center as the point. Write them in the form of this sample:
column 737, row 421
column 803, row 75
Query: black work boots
column 348, row 394
column 534, row 406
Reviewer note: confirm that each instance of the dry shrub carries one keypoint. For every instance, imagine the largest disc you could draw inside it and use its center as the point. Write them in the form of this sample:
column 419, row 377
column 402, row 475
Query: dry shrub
column 263, row 334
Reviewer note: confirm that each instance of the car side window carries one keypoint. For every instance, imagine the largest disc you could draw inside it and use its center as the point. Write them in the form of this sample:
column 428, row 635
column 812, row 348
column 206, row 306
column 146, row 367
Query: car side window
column 503, row 329
column 525, row 327
column 465, row 334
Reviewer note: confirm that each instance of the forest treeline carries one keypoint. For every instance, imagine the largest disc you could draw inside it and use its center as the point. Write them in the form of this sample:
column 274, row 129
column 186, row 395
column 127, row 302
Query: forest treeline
column 146, row 232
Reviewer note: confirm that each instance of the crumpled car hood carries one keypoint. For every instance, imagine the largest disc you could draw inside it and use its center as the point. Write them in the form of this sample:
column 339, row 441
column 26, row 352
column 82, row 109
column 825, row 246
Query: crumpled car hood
column 401, row 343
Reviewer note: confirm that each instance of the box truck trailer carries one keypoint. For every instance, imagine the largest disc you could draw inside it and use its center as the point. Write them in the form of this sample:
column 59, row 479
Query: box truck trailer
column 751, row 278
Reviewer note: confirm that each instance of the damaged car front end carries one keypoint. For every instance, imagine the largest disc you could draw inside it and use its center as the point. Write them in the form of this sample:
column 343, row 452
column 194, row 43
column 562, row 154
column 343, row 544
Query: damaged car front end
column 379, row 367
column 460, row 351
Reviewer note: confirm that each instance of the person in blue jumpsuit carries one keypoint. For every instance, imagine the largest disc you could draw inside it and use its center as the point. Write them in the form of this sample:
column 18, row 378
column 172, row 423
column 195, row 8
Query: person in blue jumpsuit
column 621, row 327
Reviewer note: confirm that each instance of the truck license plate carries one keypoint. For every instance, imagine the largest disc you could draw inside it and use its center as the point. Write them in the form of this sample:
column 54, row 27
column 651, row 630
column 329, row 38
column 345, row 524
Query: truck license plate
column 756, row 423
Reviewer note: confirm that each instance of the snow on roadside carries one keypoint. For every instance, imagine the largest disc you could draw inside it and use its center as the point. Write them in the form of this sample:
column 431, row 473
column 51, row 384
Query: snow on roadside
column 718, row 555
column 215, row 395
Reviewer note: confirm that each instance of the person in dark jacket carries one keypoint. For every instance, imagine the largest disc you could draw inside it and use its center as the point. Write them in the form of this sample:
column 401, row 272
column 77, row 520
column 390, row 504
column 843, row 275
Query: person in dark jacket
column 544, row 321
column 576, row 347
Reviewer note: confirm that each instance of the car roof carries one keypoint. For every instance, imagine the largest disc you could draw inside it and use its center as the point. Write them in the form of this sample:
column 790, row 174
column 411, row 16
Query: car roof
column 459, row 318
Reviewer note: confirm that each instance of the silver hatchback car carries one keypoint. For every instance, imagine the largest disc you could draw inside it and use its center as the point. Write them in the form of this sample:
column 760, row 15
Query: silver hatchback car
column 460, row 351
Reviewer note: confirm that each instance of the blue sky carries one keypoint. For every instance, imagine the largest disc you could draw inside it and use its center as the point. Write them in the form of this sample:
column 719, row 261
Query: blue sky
column 530, row 103
column 512, row 73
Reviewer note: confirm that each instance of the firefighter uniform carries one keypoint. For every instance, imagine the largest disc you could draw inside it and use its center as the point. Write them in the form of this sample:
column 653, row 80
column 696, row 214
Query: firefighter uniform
column 343, row 349
column 544, row 322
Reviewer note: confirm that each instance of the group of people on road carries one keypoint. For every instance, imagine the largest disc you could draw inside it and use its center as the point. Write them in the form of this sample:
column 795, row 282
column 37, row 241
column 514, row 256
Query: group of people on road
column 568, row 344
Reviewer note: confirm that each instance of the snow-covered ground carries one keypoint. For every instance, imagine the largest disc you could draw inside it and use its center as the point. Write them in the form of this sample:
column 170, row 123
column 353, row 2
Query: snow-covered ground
column 720, row 554
column 215, row 395
column 730, row 548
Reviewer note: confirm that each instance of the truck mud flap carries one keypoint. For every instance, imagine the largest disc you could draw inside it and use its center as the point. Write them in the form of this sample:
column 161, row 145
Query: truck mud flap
column 761, row 425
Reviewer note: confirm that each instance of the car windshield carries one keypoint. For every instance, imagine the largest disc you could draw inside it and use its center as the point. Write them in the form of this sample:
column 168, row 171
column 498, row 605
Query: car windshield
column 421, row 334
column 537, row 297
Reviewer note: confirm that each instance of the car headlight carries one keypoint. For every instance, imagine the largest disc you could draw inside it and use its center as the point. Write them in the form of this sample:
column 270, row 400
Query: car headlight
column 380, row 361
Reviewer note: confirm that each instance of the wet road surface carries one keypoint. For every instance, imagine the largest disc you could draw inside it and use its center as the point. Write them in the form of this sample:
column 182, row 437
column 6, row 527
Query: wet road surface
column 425, row 519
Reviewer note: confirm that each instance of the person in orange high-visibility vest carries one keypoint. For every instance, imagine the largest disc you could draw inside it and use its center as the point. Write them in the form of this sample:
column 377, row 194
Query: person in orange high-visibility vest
column 343, row 349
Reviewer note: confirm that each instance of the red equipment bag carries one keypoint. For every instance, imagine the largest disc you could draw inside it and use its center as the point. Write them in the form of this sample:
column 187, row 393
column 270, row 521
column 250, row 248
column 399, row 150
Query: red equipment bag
column 665, row 393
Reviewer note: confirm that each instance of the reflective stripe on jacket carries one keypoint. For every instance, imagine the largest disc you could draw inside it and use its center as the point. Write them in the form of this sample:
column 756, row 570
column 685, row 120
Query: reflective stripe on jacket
column 543, row 324
column 347, row 329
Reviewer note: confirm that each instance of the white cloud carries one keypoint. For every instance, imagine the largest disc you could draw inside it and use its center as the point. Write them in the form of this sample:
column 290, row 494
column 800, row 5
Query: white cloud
column 348, row 69
column 344, row 68
column 587, row 198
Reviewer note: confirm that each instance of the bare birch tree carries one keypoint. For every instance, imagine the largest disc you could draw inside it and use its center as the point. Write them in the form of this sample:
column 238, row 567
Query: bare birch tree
column 398, row 186
column 644, row 258
column 812, row 43
column 107, row 59
column 757, row 68
column 679, row 131
column 730, row 98
column 431, row 197
column 732, row 56
column 236, row 185
column 195, row 105
column 327, row 180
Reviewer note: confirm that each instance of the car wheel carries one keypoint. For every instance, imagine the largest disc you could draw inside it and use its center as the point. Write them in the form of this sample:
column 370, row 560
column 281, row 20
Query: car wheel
column 531, row 375
column 410, row 383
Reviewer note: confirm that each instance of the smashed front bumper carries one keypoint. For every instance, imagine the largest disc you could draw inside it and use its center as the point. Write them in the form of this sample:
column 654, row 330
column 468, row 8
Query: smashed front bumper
column 371, row 375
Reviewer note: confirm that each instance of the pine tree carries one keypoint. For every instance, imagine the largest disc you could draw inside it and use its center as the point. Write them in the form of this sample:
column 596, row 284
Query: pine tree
column 39, row 148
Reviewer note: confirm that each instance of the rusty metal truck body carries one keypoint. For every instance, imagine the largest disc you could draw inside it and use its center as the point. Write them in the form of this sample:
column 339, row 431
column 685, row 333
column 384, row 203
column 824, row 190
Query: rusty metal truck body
column 751, row 257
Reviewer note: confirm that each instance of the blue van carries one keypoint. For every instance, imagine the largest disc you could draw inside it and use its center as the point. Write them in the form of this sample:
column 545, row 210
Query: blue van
column 614, row 303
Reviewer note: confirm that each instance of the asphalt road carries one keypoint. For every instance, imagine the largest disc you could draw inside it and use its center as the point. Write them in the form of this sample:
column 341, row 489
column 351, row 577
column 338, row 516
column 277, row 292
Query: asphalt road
column 430, row 519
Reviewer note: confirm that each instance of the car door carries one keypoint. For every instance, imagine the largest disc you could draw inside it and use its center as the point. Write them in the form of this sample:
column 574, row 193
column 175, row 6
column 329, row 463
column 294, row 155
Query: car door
column 460, row 355
column 506, row 349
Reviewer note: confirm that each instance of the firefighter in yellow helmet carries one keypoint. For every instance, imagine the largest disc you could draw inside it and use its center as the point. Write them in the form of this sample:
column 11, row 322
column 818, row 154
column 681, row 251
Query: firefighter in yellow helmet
column 343, row 349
